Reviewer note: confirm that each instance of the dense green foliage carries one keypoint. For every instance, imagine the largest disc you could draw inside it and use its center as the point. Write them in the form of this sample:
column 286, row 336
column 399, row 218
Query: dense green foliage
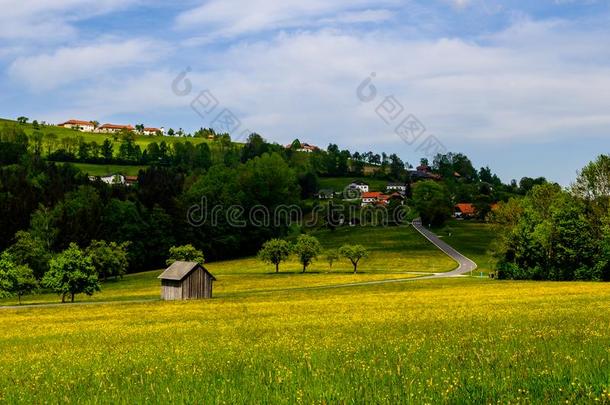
column 354, row 253
column 432, row 201
column 71, row 272
column 307, row 249
column 553, row 234
column 109, row 259
column 15, row 279
column 186, row 253
column 275, row 251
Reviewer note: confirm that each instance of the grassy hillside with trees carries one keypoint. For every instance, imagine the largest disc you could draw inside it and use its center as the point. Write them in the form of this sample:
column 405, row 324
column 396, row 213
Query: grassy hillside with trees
column 186, row 194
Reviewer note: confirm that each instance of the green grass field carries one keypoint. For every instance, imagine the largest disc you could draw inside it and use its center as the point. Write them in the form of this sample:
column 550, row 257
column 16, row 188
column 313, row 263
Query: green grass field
column 340, row 183
column 104, row 170
column 291, row 338
column 471, row 238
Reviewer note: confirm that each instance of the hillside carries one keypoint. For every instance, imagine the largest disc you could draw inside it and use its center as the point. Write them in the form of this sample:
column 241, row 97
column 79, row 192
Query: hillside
column 141, row 140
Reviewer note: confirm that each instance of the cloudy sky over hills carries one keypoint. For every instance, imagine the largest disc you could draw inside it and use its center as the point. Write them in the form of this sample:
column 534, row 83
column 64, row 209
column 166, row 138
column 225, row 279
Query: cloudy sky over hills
column 521, row 86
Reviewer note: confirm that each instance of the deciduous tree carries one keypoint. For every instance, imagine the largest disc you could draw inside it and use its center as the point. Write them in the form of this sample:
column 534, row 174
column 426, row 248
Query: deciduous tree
column 307, row 248
column 185, row 253
column 354, row 253
column 275, row 251
column 70, row 273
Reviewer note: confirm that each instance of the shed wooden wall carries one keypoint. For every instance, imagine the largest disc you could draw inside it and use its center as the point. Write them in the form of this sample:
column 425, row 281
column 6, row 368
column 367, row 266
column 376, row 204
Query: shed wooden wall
column 171, row 290
column 197, row 285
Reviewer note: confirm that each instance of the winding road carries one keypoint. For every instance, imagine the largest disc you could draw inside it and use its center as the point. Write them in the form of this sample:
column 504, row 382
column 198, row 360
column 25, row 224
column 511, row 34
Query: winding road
column 465, row 265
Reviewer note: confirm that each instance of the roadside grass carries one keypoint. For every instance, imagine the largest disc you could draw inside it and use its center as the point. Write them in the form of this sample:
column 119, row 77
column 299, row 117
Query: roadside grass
column 471, row 238
column 436, row 341
column 395, row 252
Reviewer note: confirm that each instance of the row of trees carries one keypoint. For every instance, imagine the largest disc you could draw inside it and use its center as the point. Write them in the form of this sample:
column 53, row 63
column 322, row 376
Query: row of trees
column 556, row 234
column 307, row 248
column 70, row 272
column 75, row 270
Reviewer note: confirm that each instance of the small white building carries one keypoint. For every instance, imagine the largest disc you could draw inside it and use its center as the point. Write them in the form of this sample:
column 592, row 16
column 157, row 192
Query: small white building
column 400, row 187
column 152, row 131
column 360, row 186
column 113, row 179
column 85, row 126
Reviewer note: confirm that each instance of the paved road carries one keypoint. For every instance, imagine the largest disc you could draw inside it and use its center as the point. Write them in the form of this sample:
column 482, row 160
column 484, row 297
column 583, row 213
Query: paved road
column 465, row 265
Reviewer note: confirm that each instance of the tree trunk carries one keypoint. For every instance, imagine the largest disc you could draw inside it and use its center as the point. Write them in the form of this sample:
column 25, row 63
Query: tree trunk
column 355, row 266
column 304, row 268
column 63, row 298
column 72, row 298
column 277, row 267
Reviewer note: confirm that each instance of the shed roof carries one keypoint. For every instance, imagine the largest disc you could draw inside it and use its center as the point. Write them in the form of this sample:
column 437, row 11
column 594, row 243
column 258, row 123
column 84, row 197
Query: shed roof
column 179, row 270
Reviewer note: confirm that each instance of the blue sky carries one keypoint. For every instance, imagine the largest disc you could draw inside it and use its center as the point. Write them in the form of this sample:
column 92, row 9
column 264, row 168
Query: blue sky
column 521, row 86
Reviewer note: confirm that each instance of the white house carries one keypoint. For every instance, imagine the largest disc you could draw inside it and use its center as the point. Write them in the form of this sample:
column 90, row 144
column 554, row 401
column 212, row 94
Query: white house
column 400, row 187
column 85, row 126
column 305, row 147
column 113, row 179
column 152, row 131
column 360, row 186
column 109, row 179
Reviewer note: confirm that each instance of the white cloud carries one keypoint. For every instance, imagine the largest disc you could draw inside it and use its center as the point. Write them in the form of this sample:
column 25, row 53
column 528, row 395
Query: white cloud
column 71, row 64
column 48, row 20
column 503, row 89
column 220, row 18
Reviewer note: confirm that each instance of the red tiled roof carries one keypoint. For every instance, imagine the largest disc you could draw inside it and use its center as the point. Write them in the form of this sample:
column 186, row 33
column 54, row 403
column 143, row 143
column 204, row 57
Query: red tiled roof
column 75, row 122
column 372, row 194
column 115, row 126
column 466, row 208
column 152, row 129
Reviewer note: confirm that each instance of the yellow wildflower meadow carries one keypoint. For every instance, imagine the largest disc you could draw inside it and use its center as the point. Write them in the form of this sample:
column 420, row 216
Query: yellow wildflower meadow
column 437, row 341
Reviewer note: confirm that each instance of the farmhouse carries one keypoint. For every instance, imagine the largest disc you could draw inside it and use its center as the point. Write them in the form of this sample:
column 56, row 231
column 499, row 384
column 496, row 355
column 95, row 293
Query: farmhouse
column 400, row 187
column 113, row 179
column 79, row 125
column 185, row 281
column 152, row 131
column 372, row 197
column 359, row 185
column 113, row 128
column 464, row 210
column 305, row 147
column 378, row 198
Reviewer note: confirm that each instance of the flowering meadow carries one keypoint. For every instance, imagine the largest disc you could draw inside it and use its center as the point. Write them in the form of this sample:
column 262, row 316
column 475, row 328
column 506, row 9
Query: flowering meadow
column 436, row 341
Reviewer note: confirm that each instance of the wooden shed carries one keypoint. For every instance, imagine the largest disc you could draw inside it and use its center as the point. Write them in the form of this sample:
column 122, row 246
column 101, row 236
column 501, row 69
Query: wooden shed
column 186, row 281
